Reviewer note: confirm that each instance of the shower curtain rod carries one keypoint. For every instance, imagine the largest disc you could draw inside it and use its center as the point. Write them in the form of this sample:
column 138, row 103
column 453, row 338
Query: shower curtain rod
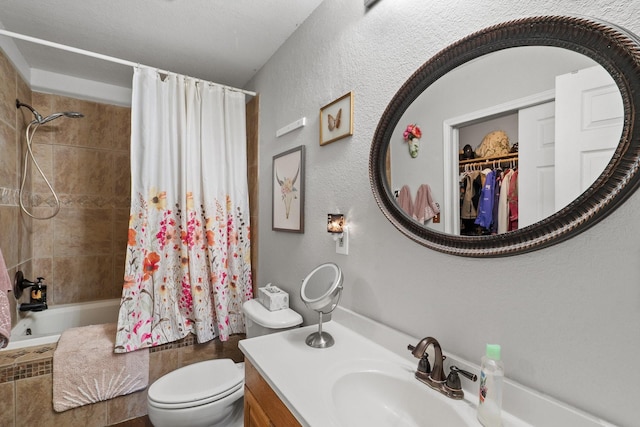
column 106, row 57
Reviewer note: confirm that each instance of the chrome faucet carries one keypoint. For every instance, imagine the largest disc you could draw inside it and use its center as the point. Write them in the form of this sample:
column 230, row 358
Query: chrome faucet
column 435, row 378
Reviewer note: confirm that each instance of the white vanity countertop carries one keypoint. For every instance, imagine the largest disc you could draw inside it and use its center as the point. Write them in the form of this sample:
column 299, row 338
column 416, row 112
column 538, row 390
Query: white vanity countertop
column 303, row 376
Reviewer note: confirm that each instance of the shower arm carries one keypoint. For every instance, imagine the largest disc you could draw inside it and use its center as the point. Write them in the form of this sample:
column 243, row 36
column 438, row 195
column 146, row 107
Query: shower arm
column 35, row 113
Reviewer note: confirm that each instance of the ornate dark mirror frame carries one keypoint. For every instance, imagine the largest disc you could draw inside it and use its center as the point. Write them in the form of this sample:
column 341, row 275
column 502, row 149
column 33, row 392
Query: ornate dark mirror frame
column 617, row 50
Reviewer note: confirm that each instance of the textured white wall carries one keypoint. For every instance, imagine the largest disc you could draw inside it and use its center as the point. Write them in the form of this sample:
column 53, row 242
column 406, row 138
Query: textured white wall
column 567, row 317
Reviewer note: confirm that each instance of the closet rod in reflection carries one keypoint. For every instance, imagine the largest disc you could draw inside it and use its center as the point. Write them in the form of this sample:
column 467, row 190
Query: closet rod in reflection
column 107, row 58
column 512, row 156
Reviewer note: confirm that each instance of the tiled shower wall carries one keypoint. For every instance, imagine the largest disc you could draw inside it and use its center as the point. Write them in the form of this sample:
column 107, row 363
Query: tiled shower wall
column 80, row 252
column 15, row 229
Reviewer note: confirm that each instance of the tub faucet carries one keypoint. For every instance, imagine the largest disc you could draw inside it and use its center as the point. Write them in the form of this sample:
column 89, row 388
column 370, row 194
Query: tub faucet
column 38, row 292
column 435, row 378
column 33, row 306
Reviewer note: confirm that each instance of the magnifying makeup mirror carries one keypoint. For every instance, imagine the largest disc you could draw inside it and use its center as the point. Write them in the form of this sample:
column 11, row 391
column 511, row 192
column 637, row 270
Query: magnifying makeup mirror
column 321, row 291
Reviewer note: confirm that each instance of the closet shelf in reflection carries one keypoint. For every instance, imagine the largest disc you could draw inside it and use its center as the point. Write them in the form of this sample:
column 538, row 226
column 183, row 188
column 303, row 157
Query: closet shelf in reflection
column 513, row 157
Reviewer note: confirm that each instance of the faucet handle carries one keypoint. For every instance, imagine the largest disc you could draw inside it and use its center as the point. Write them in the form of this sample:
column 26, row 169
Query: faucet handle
column 424, row 365
column 453, row 380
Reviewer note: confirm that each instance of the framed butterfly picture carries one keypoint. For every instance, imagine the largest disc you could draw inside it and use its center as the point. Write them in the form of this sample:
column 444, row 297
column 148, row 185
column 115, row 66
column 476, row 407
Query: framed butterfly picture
column 336, row 119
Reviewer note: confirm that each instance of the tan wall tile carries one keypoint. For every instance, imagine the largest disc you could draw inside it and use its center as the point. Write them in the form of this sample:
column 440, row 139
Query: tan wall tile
column 83, row 232
column 7, row 404
column 8, row 90
column 42, row 234
column 197, row 353
column 42, row 102
column 34, row 407
column 118, row 272
column 9, row 160
column 43, row 153
column 10, row 237
column 122, row 177
column 124, row 408
column 214, row 349
column 23, row 93
column 163, row 362
column 84, row 132
column 120, row 230
column 83, row 171
column 120, row 131
column 81, row 279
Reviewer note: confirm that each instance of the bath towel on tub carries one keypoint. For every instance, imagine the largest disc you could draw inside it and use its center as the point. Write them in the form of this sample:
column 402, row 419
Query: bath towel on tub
column 86, row 370
column 5, row 307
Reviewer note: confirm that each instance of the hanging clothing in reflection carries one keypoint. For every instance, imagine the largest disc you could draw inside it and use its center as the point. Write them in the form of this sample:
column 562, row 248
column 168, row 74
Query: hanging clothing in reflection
column 470, row 188
column 485, row 206
column 424, row 208
column 512, row 201
column 405, row 200
column 488, row 201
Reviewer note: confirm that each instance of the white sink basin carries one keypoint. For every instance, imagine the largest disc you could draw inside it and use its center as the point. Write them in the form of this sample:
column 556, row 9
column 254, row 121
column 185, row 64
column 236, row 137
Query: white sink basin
column 367, row 379
column 381, row 394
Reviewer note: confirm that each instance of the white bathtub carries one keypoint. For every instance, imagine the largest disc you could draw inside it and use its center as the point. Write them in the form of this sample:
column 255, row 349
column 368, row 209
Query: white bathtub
column 46, row 326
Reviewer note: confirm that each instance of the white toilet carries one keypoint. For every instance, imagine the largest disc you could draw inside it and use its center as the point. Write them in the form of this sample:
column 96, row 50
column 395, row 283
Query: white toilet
column 210, row 393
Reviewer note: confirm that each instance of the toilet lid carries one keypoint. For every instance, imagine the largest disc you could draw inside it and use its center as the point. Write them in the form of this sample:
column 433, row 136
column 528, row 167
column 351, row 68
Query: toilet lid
column 208, row 380
column 279, row 319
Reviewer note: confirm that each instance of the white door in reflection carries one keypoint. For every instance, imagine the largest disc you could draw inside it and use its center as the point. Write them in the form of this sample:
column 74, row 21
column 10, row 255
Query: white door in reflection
column 536, row 176
column 565, row 145
column 589, row 119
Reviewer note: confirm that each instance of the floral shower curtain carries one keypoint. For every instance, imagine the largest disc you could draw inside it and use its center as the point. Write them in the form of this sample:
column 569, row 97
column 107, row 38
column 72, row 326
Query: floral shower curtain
column 188, row 267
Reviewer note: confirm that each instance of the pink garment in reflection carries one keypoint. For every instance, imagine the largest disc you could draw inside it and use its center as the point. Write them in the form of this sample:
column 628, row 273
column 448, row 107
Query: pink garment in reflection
column 405, row 200
column 425, row 207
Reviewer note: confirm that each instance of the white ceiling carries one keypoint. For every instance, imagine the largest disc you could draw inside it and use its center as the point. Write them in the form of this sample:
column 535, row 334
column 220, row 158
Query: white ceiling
column 224, row 41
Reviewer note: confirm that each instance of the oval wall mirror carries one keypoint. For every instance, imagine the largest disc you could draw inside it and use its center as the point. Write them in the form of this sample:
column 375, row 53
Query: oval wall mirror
column 520, row 78
column 321, row 291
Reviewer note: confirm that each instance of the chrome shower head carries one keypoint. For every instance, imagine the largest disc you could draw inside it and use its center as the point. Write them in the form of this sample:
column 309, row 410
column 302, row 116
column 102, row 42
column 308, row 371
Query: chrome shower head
column 69, row 114
column 42, row 120
column 73, row 114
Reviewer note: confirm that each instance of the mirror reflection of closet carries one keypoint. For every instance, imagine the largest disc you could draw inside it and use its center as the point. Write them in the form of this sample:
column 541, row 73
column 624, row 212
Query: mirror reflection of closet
column 565, row 138
column 561, row 141
column 474, row 171
column 511, row 82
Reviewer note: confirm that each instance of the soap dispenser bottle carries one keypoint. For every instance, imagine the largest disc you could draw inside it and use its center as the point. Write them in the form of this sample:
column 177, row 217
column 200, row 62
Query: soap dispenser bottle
column 491, row 376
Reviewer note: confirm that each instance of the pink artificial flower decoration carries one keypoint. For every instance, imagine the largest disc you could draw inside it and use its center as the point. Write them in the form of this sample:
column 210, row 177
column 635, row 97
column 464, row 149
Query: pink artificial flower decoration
column 412, row 131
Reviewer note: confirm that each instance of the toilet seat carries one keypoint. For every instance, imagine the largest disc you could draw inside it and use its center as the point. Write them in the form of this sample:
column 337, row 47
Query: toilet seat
column 197, row 384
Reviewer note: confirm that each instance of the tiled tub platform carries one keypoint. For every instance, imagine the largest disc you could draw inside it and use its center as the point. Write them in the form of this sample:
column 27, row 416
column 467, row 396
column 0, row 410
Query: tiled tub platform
column 26, row 384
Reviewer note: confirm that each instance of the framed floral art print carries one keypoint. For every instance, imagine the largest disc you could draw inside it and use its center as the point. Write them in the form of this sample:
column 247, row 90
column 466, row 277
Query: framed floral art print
column 288, row 191
column 336, row 119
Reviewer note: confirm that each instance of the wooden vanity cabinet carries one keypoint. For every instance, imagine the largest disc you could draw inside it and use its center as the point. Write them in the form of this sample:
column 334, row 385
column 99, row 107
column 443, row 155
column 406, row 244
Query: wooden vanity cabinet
column 262, row 406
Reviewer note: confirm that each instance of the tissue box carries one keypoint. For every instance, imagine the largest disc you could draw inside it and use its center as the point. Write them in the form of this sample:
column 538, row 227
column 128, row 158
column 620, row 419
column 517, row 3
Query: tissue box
column 273, row 298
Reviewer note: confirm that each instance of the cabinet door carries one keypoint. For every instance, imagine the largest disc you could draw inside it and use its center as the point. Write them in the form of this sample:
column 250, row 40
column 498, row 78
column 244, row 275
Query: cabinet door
column 254, row 415
column 263, row 407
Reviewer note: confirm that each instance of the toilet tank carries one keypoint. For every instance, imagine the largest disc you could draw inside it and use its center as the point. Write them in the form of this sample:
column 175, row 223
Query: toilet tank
column 260, row 321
